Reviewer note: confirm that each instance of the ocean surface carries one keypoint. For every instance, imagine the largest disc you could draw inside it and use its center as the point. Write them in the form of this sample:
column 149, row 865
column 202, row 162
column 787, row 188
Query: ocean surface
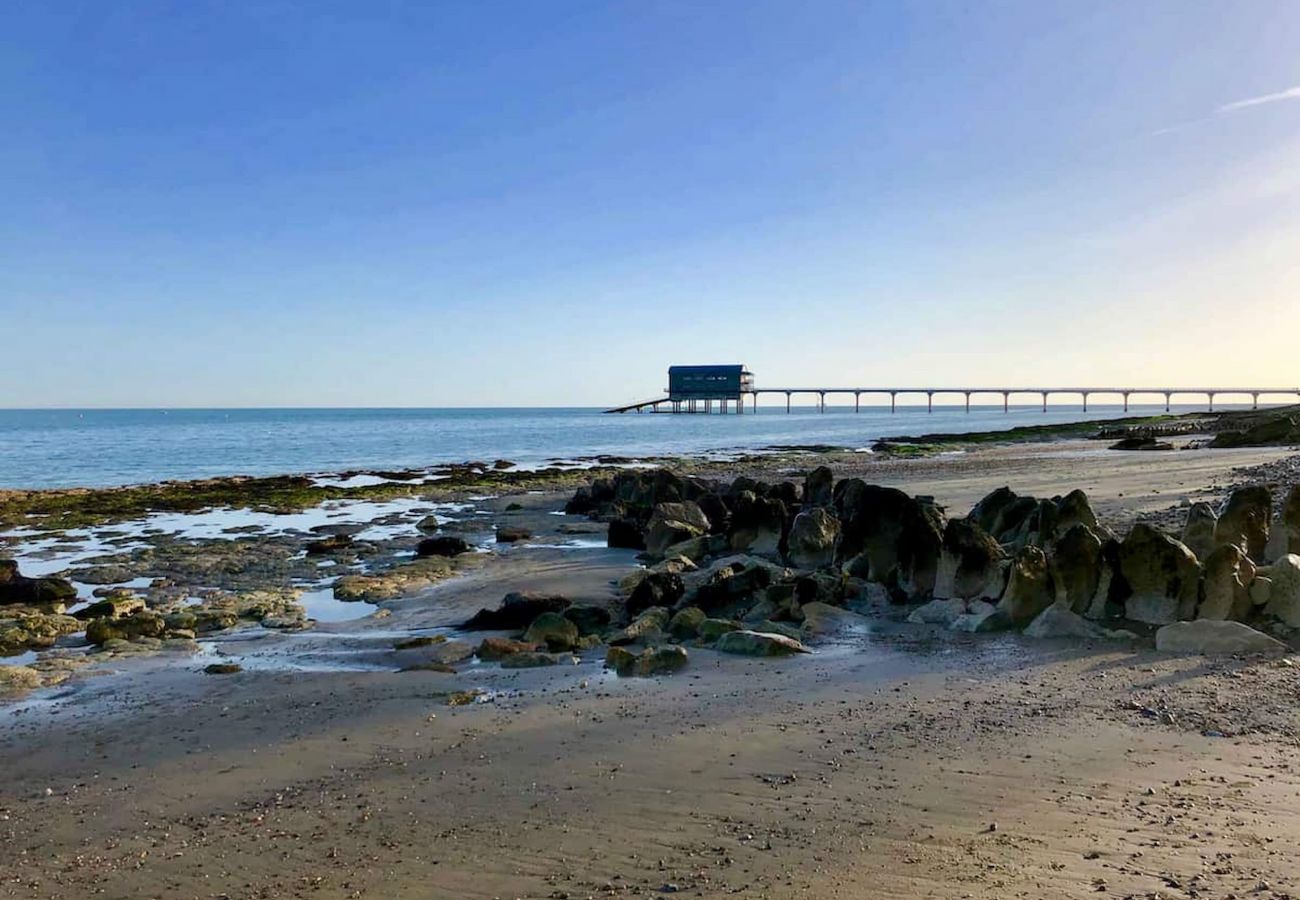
column 94, row 448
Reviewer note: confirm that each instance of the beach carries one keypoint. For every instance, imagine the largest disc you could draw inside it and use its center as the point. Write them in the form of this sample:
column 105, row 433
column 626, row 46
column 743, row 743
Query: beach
column 897, row 760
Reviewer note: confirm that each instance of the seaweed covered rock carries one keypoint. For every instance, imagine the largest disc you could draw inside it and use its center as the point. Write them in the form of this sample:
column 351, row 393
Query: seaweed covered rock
column 662, row 660
column 655, row 589
column 1245, row 520
column 813, row 538
column 34, row 630
column 729, row 588
column 517, row 610
column 443, row 545
column 819, row 488
column 145, row 623
column 1161, row 575
column 625, row 534
column 889, row 537
column 756, row 643
column 970, row 563
column 646, row 628
column 554, row 631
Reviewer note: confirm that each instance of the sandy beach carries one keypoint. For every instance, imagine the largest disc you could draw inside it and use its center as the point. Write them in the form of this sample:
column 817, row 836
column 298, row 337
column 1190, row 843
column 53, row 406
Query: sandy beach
column 903, row 761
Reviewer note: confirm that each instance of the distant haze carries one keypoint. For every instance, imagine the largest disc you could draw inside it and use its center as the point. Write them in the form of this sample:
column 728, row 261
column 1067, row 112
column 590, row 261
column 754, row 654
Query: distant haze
column 481, row 203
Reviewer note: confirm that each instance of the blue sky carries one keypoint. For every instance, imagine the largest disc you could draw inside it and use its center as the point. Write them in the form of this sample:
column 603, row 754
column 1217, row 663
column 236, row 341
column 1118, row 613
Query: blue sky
column 523, row 203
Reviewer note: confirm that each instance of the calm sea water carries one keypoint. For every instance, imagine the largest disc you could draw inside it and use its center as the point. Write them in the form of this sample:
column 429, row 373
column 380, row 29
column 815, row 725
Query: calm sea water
column 61, row 448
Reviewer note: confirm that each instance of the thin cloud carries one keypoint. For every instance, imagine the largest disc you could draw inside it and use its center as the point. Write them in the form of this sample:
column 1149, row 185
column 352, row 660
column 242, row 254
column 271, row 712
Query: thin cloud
column 1291, row 93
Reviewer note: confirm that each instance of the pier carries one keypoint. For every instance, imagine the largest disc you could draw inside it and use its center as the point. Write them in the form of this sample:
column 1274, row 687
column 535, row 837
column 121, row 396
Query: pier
column 704, row 389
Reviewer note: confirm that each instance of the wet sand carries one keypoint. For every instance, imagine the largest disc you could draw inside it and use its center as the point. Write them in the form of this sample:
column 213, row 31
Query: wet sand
column 908, row 762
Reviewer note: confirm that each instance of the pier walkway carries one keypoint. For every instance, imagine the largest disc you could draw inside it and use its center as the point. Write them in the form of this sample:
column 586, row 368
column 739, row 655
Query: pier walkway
column 670, row 405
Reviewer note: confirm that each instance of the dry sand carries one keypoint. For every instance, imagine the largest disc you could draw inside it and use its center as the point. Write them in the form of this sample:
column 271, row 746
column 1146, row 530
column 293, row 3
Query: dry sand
column 904, row 763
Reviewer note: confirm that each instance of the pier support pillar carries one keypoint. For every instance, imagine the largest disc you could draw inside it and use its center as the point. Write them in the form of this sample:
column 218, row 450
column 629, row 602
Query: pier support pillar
column 1211, row 396
column 929, row 401
column 1254, row 398
column 823, row 401
column 1044, row 401
column 1085, row 401
column 1168, row 401
column 787, row 403
column 857, row 402
column 893, row 402
column 1006, row 402
column 968, row 402
column 1126, row 403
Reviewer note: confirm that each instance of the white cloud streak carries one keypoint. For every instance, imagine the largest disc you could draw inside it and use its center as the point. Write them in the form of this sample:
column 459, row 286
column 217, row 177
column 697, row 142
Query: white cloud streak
column 1291, row 93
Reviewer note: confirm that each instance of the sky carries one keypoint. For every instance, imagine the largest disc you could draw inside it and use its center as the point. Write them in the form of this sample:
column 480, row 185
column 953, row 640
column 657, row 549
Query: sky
column 547, row 204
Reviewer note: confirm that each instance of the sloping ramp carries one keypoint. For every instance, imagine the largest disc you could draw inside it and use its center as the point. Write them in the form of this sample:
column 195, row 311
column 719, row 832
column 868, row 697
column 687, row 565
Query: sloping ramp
column 637, row 407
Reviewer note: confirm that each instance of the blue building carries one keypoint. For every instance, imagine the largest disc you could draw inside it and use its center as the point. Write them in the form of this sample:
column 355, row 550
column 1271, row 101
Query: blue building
column 708, row 383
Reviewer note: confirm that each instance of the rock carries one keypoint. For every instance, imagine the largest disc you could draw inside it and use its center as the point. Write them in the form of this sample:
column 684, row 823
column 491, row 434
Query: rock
column 517, row 610
column 16, row 589
column 1279, row 429
column 646, row 628
column 494, row 649
column 588, row 619
column 110, row 608
column 767, row 626
column 18, row 679
column 443, row 545
column 822, row 620
column 1058, row 621
column 819, row 489
column 980, row 616
column 889, row 538
column 755, row 643
column 1029, row 588
column 1003, row 513
column 970, row 563
column 712, row 629
column 1162, row 577
column 757, row 525
column 331, row 544
column 673, row 523
column 1284, row 590
column 1261, row 590
column 940, row 611
column 423, row 640
column 1076, row 568
column 223, row 668
column 730, row 587
column 621, row 660
column 1245, row 520
column 553, row 630
column 655, row 589
column 512, row 534
column 818, row 587
column 144, row 623
column 685, row 624
column 1211, row 636
column 626, row 534
column 652, row 661
column 428, row 525
column 699, row 548
column 1284, row 536
column 1198, row 531
column 1225, row 591
column 813, row 538
column 399, row 581
column 1141, row 442
column 528, row 659
column 33, row 630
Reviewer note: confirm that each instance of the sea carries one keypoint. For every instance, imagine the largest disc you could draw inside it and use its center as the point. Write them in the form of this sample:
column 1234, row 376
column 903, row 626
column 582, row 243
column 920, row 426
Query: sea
column 49, row 448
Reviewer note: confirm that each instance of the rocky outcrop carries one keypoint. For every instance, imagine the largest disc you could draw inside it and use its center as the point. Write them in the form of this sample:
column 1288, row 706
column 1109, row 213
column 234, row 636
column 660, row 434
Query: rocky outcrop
column 443, row 545
column 1029, row 587
column 552, row 630
column 757, row 525
column 1016, row 522
column 819, row 489
column 1245, row 520
column 1226, row 590
column 888, row 537
column 1198, row 531
column 1283, row 601
column 646, row 628
column 625, row 534
column 971, row 563
column 663, row 660
column 673, row 523
column 813, row 538
column 1076, row 568
column 15, row 589
column 1210, row 636
column 655, row 589
column 517, row 611
column 1162, row 577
